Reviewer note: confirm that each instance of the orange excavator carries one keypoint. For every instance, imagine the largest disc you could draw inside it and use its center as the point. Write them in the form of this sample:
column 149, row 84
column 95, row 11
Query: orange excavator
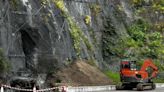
column 132, row 76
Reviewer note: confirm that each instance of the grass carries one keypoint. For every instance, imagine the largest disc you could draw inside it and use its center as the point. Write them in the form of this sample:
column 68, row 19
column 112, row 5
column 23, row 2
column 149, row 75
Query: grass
column 113, row 76
column 158, row 80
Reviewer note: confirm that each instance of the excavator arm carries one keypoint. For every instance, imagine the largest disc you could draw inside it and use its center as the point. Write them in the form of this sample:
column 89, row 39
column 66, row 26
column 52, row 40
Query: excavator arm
column 148, row 63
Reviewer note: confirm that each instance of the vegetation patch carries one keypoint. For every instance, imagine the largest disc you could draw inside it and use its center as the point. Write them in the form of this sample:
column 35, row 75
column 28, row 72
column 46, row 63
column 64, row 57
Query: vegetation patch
column 141, row 43
column 158, row 5
column 159, row 65
column 159, row 27
column 4, row 65
column 158, row 80
column 87, row 19
column 92, row 62
column 76, row 33
column 113, row 75
column 14, row 4
column 149, row 43
column 96, row 9
column 151, row 7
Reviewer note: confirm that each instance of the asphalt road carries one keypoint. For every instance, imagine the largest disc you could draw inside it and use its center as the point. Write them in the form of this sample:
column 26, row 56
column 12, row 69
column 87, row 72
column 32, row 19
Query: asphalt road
column 111, row 88
column 134, row 90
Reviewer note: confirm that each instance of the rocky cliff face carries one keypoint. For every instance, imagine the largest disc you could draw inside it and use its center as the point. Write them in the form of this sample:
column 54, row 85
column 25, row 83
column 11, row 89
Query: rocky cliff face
column 58, row 31
column 39, row 34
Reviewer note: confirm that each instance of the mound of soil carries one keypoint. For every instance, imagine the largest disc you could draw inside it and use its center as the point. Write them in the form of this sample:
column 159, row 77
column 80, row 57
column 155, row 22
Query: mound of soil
column 80, row 73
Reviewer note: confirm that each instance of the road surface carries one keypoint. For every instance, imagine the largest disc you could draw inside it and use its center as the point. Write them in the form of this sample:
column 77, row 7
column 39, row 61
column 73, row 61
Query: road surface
column 111, row 88
column 134, row 90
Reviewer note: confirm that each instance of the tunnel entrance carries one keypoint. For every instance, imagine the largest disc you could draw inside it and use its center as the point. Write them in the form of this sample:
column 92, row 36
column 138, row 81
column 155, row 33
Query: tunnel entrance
column 26, row 78
column 30, row 39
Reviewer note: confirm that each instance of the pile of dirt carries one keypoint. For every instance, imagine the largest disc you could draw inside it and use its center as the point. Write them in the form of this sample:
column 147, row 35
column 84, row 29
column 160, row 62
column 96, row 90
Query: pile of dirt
column 81, row 73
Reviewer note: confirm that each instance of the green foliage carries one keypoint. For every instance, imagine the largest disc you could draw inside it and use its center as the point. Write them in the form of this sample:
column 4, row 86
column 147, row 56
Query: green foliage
column 155, row 45
column 91, row 62
column 145, row 43
column 76, row 36
column 154, row 5
column 158, row 5
column 158, row 80
column 159, row 64
column 136, row 1
column 141, row 43
column 113, row 75
column 14, row 4
column 109, row 45
column 75, row 30
column 159, row 27
column 149, row 43
column 132, row 46
column 87, row 19
column 138, row 29
column 60, row 5
column 4, row 66
column 130, row 43
column 95, row 8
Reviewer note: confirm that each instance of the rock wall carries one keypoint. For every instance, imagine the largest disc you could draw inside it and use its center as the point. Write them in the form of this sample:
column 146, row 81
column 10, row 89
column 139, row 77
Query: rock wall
column 38, row 33
column 36, row 29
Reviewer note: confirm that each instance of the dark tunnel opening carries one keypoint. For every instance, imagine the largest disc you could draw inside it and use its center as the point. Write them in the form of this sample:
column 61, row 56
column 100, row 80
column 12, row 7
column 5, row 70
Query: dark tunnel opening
column 29, row 38
column 26, row 77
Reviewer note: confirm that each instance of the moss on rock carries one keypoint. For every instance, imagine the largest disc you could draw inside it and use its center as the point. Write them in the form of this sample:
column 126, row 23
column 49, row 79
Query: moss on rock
column 75, row 31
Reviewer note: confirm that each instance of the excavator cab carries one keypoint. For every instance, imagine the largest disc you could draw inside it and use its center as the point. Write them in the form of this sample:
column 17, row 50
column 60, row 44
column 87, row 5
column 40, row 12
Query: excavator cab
column 125, row 65
column 133, row 65
column 129, row 65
